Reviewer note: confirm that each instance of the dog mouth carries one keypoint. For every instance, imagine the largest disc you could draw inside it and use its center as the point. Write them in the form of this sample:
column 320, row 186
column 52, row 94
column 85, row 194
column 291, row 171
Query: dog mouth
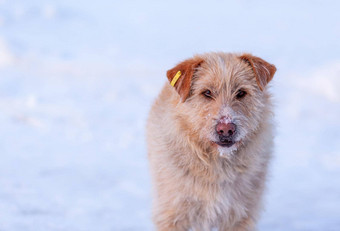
column 225, row 142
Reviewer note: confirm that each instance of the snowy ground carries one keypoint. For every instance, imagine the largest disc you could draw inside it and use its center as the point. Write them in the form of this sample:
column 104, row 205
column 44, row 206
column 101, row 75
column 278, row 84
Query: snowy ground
column 77, row 79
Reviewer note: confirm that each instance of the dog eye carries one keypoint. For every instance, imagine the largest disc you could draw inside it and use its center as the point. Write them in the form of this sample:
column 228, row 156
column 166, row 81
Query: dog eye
column 240, row 94
column 207, row 93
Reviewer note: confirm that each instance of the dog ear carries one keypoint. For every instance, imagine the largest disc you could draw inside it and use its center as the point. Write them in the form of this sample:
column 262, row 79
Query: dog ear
column 180, row 76
column 264, row 71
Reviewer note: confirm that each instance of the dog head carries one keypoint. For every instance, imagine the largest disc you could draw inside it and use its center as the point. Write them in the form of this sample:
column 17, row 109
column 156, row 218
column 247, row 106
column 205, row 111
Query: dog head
column 222, row 98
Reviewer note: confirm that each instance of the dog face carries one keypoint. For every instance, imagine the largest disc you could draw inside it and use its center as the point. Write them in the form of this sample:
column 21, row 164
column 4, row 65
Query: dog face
column 223, row 98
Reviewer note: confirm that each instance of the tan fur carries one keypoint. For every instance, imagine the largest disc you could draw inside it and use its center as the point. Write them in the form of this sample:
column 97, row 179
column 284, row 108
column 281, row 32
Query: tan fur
column 198, row 184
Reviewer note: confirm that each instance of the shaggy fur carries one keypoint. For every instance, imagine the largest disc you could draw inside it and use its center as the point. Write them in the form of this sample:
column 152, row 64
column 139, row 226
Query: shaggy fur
column 199, row 184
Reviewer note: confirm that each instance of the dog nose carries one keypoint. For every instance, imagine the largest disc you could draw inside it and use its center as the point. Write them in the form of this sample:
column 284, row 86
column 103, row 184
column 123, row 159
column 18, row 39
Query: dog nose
column 225, row 129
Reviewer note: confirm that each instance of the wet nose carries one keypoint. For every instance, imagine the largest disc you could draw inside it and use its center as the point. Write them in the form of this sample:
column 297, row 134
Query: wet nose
column 225, row 129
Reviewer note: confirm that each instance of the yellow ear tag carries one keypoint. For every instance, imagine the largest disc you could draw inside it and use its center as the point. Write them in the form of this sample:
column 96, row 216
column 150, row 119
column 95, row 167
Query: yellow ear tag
column 174, row 80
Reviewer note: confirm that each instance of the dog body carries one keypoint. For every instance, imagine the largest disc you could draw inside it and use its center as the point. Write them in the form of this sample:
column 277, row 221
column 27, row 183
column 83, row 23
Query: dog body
column 209, row 142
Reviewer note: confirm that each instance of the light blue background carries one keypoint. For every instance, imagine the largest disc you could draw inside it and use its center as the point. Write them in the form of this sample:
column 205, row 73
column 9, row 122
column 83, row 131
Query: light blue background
column 77, row 79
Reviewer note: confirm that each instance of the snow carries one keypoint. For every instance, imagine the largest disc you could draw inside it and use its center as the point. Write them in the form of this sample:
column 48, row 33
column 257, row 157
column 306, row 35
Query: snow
column 6, row 58
column 77, row 79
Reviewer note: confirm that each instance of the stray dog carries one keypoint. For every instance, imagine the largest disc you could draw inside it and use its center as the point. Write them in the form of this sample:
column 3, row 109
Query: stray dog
column 210, row 138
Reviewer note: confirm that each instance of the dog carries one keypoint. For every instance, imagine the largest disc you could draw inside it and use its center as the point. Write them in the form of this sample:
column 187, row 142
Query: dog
column 210, row 139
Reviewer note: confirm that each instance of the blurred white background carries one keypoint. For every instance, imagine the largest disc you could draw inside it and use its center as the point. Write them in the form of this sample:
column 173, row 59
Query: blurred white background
column 77, row 79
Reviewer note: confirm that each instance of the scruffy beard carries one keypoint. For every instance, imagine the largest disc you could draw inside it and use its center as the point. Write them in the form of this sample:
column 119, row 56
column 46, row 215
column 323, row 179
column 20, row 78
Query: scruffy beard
column 228, row 151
